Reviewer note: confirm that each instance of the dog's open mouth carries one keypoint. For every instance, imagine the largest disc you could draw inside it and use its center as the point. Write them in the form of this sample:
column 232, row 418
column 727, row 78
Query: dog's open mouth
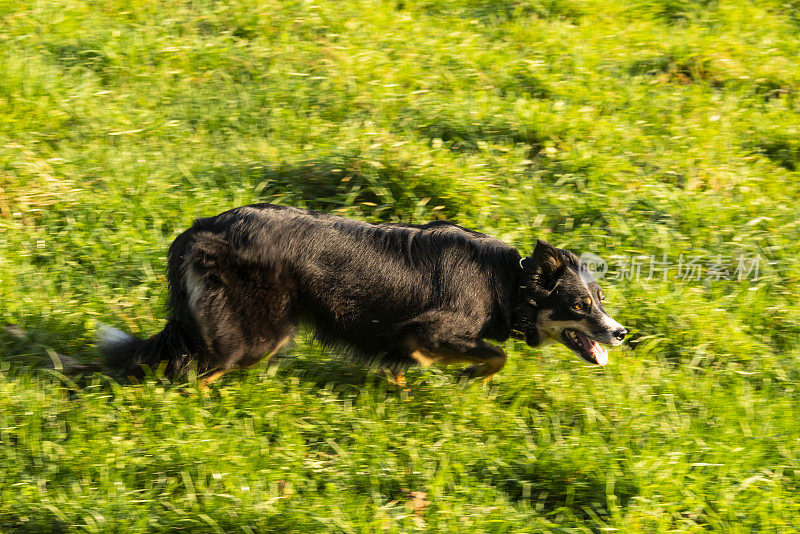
column 588, row 349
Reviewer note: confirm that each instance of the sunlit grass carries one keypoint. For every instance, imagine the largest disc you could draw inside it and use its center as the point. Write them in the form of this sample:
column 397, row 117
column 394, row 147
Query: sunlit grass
column 656, row 128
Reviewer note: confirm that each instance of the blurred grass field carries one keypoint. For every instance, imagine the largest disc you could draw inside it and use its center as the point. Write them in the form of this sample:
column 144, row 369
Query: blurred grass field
column 655, row 128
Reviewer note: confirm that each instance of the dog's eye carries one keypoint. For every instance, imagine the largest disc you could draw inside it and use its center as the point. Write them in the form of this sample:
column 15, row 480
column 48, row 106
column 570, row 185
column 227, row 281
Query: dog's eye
column 583, row 304
column 601, row 295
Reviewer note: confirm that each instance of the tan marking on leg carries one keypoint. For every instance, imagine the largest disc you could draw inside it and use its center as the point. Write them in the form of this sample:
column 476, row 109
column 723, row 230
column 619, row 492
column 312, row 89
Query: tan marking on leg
column 398, row 379
column 204, row 382
column 424, row 357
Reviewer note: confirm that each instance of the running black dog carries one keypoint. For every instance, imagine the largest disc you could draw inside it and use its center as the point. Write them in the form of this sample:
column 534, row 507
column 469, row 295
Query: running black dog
column 393, row 295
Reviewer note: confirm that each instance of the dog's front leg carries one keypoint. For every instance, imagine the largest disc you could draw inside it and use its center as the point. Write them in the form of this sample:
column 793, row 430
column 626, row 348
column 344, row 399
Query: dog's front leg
column 486, row 359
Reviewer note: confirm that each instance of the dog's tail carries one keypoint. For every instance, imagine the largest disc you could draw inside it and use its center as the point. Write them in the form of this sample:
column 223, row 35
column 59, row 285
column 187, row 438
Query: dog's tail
column 168, row 348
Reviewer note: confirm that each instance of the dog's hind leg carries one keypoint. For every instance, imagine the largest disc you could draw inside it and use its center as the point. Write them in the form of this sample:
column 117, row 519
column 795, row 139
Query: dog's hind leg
column 243, row 308
column 283, row 341
column 395, row 362
column 245, row 362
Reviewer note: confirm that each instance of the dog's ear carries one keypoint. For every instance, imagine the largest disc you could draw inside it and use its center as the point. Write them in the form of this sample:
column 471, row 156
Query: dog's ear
column 545, row 263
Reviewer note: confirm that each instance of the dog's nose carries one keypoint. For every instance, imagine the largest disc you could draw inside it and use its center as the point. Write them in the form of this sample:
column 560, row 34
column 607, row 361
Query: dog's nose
column 620, row 334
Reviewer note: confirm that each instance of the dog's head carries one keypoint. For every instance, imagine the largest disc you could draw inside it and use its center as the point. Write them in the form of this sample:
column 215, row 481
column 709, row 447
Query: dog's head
column 559, row 300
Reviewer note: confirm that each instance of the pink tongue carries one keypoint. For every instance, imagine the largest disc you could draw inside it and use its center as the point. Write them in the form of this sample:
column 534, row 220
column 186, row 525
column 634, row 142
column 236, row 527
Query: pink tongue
column 600, row 354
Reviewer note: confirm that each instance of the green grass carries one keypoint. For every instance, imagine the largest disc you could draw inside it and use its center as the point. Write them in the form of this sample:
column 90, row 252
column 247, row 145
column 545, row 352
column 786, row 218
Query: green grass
column 649, row 127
